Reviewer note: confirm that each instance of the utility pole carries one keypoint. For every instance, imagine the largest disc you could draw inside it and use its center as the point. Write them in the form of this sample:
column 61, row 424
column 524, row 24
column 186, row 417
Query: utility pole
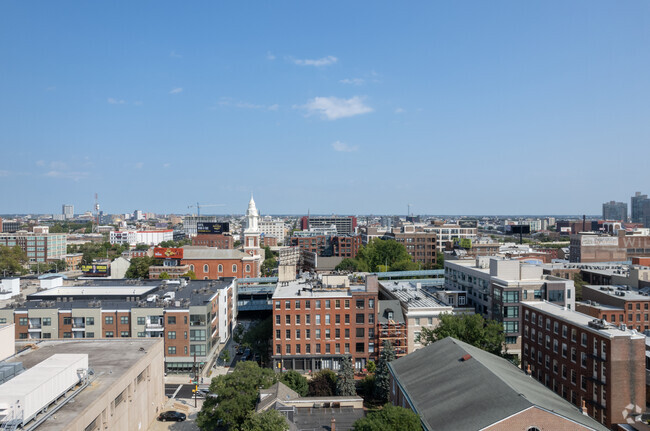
column 196, row 380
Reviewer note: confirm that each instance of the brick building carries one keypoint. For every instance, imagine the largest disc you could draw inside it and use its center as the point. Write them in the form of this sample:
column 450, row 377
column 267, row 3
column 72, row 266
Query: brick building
column 318, row 321
column 589, row 247
column 588, row 362
column 193, row 317
column 346, row 246
column 422, row 246
column 224, row 242
column 344, row 224
column 212, row 263
column 622, row 306
column 319, row 244
column 38, row 247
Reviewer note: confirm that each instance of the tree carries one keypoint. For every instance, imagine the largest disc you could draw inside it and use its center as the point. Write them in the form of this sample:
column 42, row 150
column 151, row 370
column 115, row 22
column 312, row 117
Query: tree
column 12, row 260
column 382, row 376
column 371, row 366
column 238, row 333
column 405, row 265
column 236, row 395
column 348, row 264
column 258, row 338
column 164, row 276
column 269, row 420
column 470, row 328
column 389, row 418
column 323, row 384
column 578, row 282
column 381, row 252
column 190, row 274
column 296, row 381
column 225, row 356
column 142, row 247
column 139, row 267
column 440, row 261
column 236, row 244
column 345, row 379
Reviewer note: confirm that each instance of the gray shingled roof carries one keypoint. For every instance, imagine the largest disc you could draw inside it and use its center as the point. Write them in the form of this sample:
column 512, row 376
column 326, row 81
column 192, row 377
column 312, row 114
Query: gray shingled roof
column 451, row 394
column 200, row 252
column 393, row 305
column 278, row 392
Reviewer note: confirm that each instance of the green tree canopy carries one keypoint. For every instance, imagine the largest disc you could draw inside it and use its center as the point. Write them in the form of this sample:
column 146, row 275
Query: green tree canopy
column 348, row 264
column 236, row 395
column 258, row 338
column 139, row 267
column 382, row 376
column 389, row 418
column 269, row 420
column 471, row 328
column 164, row 276
column 190, row 274
column 382, row 252
column 12, row 260
column 323, row 384
column 345, row 379
column 296, row 381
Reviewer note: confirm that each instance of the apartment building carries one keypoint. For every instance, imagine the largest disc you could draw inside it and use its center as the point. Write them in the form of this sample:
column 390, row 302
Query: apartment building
column 590, row 363
column 615, row 211
column 135, row 237
column 422, row 306
column 39, row 247
column 214, row 240
column 317, row 321
column 495, row 288
column 346, row 246
column 617, row 305
column 422, row 246
column 194, row 317
column 446, row 233
column 275, row 228
column 344, row 224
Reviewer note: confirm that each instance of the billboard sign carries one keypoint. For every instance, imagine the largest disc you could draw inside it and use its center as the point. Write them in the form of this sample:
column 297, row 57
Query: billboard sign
column 168, row 253
column 94, row 269
column 468, row 223
column 519, row 229
column 212, row 228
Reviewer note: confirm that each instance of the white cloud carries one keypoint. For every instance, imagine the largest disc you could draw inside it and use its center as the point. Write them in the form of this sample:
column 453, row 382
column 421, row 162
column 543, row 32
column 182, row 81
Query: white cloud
column 325, row 61
column 274, row 107
column 4, row 173
column 174, row 54
column 333, row 108
column 166, row 165
column 229, row 101
column 138, row 103
column 40, row 163
column 113, row 101
column 400, row 110
column 51, row 88
column 177, row 90
column 68, row 175
column 352, row 81
column 58, row 166
column 139, row 165
column 270, row 56
column 343, row 147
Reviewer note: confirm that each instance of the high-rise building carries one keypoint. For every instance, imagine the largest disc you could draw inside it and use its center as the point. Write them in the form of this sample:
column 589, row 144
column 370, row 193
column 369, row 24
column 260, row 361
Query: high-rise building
column 344, row 224
column 638, row 201
column 615, row 211
column 68, row 211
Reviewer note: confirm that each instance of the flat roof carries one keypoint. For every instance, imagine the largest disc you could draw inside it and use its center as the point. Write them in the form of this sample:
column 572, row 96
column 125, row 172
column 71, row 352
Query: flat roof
column 410, row 295
column 312, row 288
column 577, row 318
column 109, row 359
column 200, row 252
column 629, row 294
column 114, row 290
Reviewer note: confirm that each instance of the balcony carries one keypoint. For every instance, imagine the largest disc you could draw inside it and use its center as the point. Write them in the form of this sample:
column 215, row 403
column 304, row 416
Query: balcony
column 155, row 324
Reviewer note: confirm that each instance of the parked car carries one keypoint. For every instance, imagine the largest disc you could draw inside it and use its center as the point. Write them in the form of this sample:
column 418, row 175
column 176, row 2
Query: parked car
column 172, row 416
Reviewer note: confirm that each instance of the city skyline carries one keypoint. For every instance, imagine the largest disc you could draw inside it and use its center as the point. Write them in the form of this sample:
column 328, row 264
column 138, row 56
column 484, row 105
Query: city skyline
column 499, row 108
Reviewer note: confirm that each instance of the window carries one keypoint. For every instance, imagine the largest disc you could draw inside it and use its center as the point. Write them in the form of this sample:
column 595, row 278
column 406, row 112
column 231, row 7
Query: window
column 68, row 320
column 171, row 350
column 277, row 319
column 197, row 335
column 347, row 303
column 360, row 348
column 124, row 320
column 307, row 348
column 287, row 319
column 278, row 349
column 141, row 320
column 317, row 348
column 219, row 268
column 171, row 335
column 327, row 319
column 67, row 335
column 88, row 335
column 337, row 319
column 583, row 340
column 360, row 304
column 287, row 334
column 318, row 319
column 327, row 348
column 47, row 321
column 206, row 268
column 347, row 319
column 371, row 318
column 511, row 312
column 297, row 305
column 360, row 318
column 297, row 334
column 192, row 268
column 328, row 303
column 318, row 304
column 248, row 268
column 277, row 334
column 337, row 303
column 142, row 334
column 307, row 319
column 108, row 320
column 347, row 333
column 124, row 334
column 199, row 349
column 308, row 304
column 327, row 334
column 308, row 333
column 511, row 296
column 318, row 334
column 234, row 268
column 297, row 348
column 171, row 320
column 298, row 319
column 371, row 303
column 109, row 334
column 510, row 327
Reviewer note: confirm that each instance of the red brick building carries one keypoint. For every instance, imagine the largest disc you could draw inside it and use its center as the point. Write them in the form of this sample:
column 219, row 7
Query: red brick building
column 625, row 306
column 591, row 364
column 422, row 246
column 316, row 323
column 346, row 246
column 212, row 263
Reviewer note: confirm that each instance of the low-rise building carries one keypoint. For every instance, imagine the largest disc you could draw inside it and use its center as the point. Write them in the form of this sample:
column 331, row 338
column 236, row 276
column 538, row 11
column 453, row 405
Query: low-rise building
column 629, row 307
column 221, row 241
column 591, row 247
column 592, row 364
column 38, row 247
column 135, row 237
column 452, row 385
column 195, row 317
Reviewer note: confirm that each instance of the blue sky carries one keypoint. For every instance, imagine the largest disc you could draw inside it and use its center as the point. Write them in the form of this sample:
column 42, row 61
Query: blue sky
column 500, row 107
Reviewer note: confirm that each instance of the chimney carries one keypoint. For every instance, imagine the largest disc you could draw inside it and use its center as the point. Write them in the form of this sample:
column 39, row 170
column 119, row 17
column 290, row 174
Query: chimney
column 333, row 425
column 583, row 409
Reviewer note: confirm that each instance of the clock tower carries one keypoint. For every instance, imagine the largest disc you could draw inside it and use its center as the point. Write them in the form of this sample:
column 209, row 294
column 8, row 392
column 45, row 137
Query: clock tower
column 251, row 238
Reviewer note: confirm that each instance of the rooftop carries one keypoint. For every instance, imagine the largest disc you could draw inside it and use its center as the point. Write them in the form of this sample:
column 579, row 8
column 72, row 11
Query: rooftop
column 455, row 386
column 411, row 295
column 623, row 292
column 583, row 320
column 199, row 252
column 313, row 288
column 109, row 359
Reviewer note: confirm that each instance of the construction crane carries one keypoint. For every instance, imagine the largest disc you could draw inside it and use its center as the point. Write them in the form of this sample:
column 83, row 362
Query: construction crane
column 198, row 207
